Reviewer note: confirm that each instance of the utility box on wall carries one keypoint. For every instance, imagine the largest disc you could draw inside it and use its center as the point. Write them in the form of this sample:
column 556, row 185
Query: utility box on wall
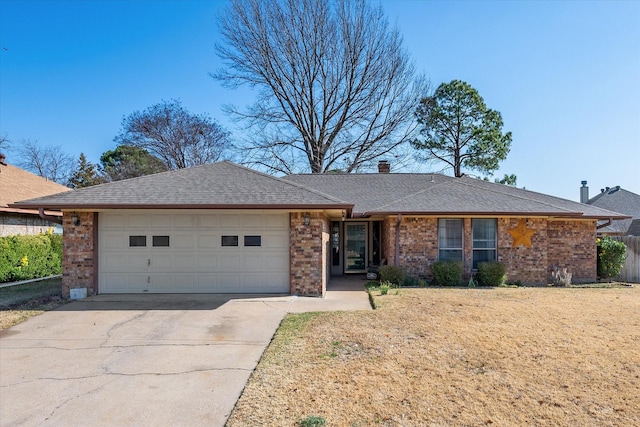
column 78, row 293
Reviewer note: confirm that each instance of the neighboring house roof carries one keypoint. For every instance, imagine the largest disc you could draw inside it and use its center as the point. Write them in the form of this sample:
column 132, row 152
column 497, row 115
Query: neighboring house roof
column 218, row 185
column 618, row 200
column 623, row 201
column 439, row 194
column 634, row 228
column 227, row 185
column 18, row 184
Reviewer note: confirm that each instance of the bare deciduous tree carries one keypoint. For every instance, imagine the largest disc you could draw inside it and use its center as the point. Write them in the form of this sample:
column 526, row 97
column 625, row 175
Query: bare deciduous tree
column 336, row 88
column 49, row 162
column 179, row 138
column 4, row 142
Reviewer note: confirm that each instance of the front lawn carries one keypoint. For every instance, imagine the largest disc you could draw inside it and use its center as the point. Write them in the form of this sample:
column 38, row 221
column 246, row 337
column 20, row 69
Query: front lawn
column 442, row 357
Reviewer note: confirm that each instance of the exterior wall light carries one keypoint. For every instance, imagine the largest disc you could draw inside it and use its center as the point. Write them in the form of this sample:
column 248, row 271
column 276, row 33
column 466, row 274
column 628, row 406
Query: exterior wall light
column 75, row 220
column 307, row 220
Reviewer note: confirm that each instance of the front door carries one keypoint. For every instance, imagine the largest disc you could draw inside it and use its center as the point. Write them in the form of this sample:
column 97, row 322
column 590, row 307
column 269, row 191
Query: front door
column 356, row 247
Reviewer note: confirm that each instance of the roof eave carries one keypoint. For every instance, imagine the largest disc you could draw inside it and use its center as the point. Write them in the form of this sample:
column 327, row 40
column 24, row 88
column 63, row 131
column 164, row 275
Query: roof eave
column 577, row 215
column 82, row 206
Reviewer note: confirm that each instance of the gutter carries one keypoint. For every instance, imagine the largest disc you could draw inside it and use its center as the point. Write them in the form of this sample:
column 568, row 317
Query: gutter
column 606, row 224
column 55, row 219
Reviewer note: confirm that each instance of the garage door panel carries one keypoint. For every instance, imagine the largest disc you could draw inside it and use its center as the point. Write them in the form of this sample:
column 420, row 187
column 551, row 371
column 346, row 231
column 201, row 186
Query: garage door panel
column 113, row 262
column 138, row 221
column 228, row 263
column 162, row 263
column 161, row 221
column 137, row 262
column 113, row 221
column 184, row 221
column 275, row 241
column 195, row 260
column 276, row 221
column 229, row 221
column 206, row 262
column 207, row 221
column 184, row 262
column 208, row 241
column 183, row 241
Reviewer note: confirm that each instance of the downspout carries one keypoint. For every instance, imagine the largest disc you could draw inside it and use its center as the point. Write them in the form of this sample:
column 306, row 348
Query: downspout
column 606, row 224
column 55, row 219
column 397, row 257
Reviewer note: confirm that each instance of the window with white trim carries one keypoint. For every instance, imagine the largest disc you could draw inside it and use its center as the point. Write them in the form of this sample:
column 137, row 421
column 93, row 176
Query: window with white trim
column 484, row 232
column 450, row 239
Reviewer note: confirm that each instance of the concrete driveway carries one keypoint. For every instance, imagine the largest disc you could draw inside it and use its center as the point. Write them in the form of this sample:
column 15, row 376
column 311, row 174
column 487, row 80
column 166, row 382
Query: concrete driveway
column 179, row 360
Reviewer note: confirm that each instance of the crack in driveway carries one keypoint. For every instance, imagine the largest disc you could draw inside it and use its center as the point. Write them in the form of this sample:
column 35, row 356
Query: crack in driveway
column 124, row 374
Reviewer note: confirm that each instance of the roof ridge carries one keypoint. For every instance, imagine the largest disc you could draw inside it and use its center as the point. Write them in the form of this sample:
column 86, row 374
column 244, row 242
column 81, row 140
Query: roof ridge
column 284, row 181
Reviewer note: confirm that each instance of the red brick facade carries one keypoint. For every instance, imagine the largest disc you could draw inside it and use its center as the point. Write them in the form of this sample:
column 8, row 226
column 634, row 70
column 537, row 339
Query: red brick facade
column 309, row 251
column 79, row 255
column 567, row 243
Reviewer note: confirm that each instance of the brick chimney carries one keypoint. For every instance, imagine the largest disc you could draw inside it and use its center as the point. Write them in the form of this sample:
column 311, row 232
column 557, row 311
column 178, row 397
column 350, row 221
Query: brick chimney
column 584, row 192
column 384, row 166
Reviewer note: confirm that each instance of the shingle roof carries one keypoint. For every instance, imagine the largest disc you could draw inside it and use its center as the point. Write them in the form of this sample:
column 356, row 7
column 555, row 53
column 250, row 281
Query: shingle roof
column 618, row 200
column 227, row 185
column 217, row 185
column 18, row 184
column 439, row 194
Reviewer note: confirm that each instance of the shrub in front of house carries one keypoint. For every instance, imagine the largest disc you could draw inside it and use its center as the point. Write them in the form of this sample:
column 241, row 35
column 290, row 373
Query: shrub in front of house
column 392, row 274
column 30, row 257
column 492, row 274
column 561, row 276
column 611, row 256
column 446, row 273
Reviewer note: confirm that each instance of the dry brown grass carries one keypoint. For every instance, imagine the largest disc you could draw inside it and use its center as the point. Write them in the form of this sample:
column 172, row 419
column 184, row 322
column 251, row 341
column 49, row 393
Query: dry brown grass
column 442, row 357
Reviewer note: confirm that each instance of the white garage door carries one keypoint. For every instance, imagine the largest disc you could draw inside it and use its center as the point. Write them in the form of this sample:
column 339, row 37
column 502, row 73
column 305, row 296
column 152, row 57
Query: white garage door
column 144, row 252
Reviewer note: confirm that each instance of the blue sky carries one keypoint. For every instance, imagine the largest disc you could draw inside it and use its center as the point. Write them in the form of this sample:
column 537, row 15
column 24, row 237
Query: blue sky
column 564, row 74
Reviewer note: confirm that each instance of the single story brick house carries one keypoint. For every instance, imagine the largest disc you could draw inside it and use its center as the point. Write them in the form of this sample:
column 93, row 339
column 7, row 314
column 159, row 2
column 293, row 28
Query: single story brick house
column 18, row 184
column 224, row 228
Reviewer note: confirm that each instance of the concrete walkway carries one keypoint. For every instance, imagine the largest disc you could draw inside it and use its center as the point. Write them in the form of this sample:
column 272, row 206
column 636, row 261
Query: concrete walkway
column 132, row 360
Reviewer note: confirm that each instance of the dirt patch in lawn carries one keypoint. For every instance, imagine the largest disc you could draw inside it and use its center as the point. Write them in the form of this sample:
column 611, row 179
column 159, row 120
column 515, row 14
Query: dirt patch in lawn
column 18, row 303
column 441, row 357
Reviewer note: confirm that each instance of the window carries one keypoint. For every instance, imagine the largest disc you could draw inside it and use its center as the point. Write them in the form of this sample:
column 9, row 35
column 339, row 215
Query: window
column 135, row 241
column 335, row 243
column 450, row 239
column 229, row 240
column 484, row 240
column 253, row 240
column 161, row 241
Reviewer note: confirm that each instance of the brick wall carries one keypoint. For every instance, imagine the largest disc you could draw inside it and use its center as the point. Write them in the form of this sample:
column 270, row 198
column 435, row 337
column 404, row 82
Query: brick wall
column 79, row 261
column 525, row 264
column 572, row 244
column 308, row 246
column 15, row 223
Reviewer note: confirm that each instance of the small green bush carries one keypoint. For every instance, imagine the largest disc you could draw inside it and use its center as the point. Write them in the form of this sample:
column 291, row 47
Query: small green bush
column 446, row 273
column 384, row 288
column 30, row 257
column 313, row 421
column 492, row 274
column 410, row 281
column 393, row 274
column 611, row 256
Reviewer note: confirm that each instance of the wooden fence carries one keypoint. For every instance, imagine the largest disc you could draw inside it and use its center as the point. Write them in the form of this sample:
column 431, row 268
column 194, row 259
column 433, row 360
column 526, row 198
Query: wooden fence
column 631, row 268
